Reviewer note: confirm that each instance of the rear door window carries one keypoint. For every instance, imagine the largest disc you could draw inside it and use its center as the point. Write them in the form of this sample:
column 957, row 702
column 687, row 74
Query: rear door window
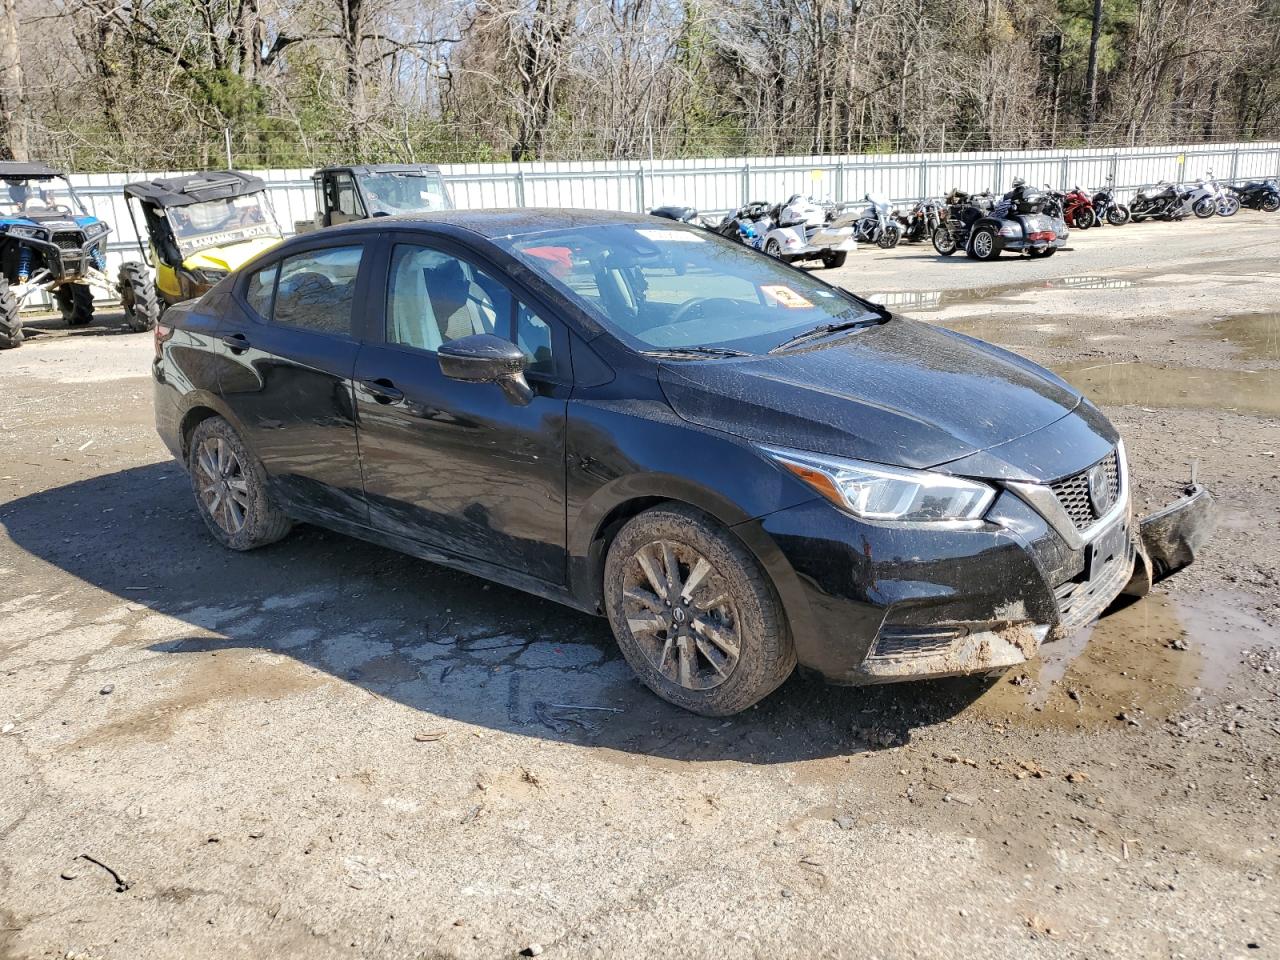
column 316, row 290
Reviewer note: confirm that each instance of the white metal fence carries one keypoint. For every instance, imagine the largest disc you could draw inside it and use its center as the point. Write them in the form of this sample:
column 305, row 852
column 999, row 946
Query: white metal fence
column 716, row 185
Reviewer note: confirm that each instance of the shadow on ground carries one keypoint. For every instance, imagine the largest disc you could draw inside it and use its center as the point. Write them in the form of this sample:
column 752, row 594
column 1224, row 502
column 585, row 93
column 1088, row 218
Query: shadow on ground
column 106, row 323
column 440, row 641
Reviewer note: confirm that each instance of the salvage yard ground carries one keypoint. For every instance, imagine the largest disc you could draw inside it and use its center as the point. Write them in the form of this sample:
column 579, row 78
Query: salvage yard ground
column 329, row 750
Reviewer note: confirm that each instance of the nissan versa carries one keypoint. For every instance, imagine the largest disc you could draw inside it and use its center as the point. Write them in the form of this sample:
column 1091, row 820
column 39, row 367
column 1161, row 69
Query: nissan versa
column 742, row 467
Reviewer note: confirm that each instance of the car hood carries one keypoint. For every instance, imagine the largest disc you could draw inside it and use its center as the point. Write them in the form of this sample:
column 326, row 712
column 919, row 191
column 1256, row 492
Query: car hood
column 902, row 392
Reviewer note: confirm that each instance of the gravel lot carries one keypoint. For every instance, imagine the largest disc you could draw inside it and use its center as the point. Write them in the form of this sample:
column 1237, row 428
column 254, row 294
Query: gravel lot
column 325, row 749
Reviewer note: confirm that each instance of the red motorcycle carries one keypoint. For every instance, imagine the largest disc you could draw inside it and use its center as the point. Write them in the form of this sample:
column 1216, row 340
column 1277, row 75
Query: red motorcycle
column 1078, row 210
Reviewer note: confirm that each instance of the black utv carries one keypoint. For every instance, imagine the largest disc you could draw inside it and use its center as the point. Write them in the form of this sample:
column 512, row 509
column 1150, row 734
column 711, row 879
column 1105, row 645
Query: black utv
column 49, row 243
column 344, row 194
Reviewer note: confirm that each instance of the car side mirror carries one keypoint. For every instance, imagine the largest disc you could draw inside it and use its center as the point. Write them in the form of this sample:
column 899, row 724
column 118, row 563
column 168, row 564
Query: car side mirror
column 484, row 358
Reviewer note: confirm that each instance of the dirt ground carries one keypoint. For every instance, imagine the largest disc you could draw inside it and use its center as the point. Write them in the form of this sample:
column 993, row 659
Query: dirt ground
column 325, row 749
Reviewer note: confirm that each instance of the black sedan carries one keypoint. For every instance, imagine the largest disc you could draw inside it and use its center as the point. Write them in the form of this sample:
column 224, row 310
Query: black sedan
column 741, row 466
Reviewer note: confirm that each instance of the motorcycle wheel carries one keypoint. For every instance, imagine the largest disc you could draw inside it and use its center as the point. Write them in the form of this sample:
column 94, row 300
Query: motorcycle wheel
column 773, row 249
column 1038, row 254
column 1083, row 220
column 1228, row 207
column 888, row 240
column 944, row 242
column 1270, row 203
column 1204, row 208
column 833, row 258
column 1118, row 215
column 982, row 245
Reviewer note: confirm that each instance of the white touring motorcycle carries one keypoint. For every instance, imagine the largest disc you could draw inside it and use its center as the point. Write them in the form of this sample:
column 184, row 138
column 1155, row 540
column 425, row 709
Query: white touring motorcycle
column 801, row 232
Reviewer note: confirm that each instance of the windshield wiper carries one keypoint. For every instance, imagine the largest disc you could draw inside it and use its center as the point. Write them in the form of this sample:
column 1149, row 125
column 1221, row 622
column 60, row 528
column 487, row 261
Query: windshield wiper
column 696, row 352
column 825, row 329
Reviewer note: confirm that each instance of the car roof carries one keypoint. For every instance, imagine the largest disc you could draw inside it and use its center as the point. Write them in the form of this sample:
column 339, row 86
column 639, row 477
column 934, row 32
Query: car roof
column 505, row 222
column 14, row 170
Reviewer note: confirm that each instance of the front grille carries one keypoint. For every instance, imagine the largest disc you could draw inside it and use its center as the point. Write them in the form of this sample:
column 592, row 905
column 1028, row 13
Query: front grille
column 69, row 241
column 1073, row 493
column 898, row 642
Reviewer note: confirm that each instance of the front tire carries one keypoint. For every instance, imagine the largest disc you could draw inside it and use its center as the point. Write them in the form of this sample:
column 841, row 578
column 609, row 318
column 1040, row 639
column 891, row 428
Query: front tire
column 1205, row 207
column 75, row 303
column 10, row 318
column 138, row 296
column 694, row 614
column 1270, row 203
column 887, row 240
column 1228, row 207
column 230, row 487
column 982, row 245
column 944, row 241
column 834, row 258
column 1118, row 215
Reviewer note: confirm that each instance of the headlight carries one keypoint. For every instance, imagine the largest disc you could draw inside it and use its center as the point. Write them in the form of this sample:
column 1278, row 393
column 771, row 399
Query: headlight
column 17, row 230
column 95, row 229
column 208, row 274
column 873, row 491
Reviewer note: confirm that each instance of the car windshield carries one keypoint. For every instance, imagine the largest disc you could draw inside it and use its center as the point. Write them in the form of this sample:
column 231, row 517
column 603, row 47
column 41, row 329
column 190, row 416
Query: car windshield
column 669, row 287
column 40, row 198
column 407, row 192
column 214, row 223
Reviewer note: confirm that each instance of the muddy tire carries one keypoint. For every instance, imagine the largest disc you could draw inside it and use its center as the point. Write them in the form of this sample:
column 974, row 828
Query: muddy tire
column 10, row 318
column 982, row 245
column 138, row 297
column 944, row 241
column 75, row 303
column 231, row 490
column 833, row 258
column 694, row 614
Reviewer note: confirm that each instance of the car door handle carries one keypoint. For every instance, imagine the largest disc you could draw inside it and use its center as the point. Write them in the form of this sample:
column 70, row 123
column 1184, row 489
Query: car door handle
column 237, row 342
column 383, row 390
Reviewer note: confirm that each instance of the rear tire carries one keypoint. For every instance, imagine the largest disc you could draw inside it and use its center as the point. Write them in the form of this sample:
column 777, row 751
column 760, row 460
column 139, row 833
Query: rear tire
column 833, row 258
column 982, row 245
column 75, row 302
column 10, row 318
column 716, row 649
column 1040, row 254
column 138, row 296
column 231, row 490
column 773, row 249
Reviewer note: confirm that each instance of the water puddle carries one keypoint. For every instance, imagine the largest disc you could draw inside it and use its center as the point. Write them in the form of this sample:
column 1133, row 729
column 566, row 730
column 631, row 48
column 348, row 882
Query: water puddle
column 1255, row 335
column 1141, row 662
column 925, row 300
column 1199, row 388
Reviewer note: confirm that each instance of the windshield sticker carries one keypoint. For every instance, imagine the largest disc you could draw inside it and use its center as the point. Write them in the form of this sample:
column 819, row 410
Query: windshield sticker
column 205, row 241
column 671, row 236
column 786, row 297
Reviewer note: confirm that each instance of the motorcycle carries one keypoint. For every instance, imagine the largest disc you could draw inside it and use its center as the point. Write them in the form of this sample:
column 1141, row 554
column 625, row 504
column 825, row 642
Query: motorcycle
column 925, row 217
column 1107, row 209
column 801, row 231
column 961, row 211
column 1017, row 224
column 876, row 224
column 1161, row 201
column 1078, row 210
column 748, row 224
column 1226, row 203
column 1258, row 195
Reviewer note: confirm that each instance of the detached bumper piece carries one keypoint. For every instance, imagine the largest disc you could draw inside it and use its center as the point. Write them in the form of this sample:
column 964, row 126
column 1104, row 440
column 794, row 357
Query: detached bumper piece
column 916, row 653
column 1169, row 539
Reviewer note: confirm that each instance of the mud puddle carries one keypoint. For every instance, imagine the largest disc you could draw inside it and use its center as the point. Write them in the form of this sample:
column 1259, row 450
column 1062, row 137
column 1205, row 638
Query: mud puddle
column 1254, row 335
column 1142, row 662
column 924, row 300
column 1199, row 388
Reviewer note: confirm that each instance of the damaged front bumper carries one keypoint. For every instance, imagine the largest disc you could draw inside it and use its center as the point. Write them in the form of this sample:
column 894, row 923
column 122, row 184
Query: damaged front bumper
column 912, row 604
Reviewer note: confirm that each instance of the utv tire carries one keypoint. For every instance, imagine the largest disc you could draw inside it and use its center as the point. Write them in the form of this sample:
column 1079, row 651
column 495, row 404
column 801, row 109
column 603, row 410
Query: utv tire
column 230, row 487
column 982, row 245
column 138, row 297
column 1118, row 215
column 1270, row 203
column 1205, row 208
column 715, row 649
column 75, row 301
column 832, row 258
column 944, row 241
column 10, row 318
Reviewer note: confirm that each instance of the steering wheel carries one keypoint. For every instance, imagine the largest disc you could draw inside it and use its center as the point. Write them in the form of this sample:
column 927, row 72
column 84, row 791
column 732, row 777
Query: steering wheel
column 686, row 310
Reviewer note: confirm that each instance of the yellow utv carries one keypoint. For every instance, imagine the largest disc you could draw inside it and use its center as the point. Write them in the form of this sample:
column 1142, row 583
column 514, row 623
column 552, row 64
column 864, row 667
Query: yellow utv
column 198, row 229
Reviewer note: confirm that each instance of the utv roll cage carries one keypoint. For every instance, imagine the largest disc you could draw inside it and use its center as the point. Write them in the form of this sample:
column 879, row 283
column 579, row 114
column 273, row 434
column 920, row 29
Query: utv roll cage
column 156, row 196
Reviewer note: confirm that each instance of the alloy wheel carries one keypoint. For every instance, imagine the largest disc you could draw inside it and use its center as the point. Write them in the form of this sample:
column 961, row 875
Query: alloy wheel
column 679, row 611
column 224, row 491
column 982, row 245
